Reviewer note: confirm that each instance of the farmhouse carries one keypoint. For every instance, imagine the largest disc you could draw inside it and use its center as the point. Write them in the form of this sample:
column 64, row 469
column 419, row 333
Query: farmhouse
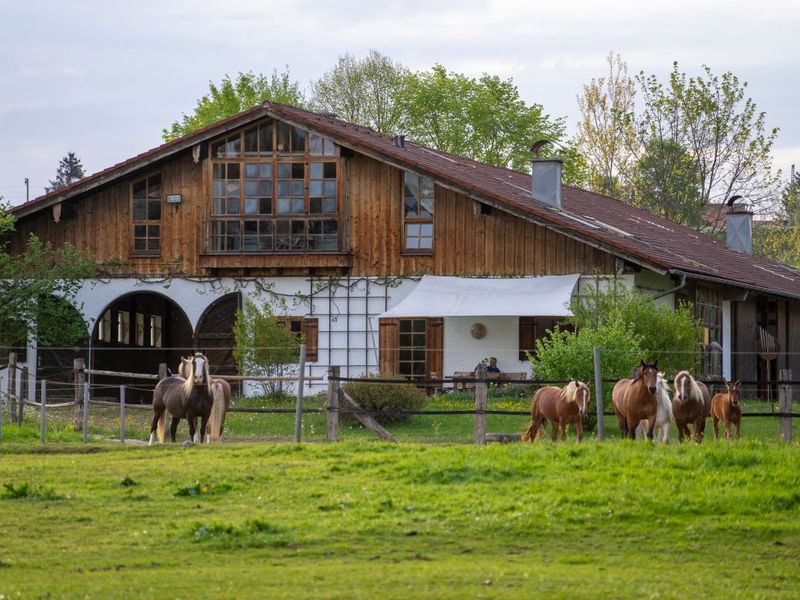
column 385, row 254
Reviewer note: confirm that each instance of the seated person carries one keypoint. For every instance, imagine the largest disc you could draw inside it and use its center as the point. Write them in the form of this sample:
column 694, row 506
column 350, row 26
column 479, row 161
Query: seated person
column 493, row 368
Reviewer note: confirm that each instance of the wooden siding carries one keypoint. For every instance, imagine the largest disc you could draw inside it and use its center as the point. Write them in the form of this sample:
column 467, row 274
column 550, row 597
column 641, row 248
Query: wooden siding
column 745, row 365
column 466, row 242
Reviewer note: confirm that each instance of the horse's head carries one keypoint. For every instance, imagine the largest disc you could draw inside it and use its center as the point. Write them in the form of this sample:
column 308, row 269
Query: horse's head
column 684, row 385
column 185, row 367
column 201, row 371
column 733, row 391
column 583, row 397
column 648, row 373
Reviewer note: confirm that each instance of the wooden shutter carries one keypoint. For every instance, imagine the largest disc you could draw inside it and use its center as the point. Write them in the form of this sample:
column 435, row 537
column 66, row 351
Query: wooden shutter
column 389, row 346
column 434, row 346
column 527, row 335
column 311, row 337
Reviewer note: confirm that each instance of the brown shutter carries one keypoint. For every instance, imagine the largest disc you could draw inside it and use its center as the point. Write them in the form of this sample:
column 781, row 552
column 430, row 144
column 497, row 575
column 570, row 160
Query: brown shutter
column 389, row 346
column 527, row 335
column 434, row 342
column 311, row 337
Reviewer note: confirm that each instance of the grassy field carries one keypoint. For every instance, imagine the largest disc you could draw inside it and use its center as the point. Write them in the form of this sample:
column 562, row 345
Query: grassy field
column 365, row 519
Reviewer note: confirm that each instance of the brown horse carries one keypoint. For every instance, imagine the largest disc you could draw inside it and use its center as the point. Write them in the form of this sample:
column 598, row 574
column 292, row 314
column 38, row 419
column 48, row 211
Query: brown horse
column 216, row 421
column 635, row 400
column 560, row 406
column 185, row 398
column 726, row 408
column 690, row 404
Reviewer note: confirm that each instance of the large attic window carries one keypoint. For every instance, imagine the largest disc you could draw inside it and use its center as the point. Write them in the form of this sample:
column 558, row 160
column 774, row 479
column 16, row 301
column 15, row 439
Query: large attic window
column 280, row 194
column 146, row 216
column 417, row 214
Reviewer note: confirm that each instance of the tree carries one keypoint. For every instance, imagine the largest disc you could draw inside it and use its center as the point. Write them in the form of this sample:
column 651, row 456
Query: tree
column 779, row 239
column 666, row 181
column 230, row 97
column 69, row 170
column 264, row 345
column 362, row 91
column 29, row 285
column 484, row 119
column 719, row 127
column 606, row 135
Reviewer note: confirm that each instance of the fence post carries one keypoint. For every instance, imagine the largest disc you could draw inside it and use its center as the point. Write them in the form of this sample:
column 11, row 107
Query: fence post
column 785, row 400
column 298, row 411
column 43, row 400
column 332, row 405
column 598, row 395
column 481, row 391
column 78, row 365
column 23, row 394
column 122, row 414
column 11, row 398
column 86, row 411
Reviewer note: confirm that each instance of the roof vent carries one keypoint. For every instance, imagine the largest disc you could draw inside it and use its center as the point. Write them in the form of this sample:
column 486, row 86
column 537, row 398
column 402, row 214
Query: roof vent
column 739, row 227
column 399, row 141
column 327, row 114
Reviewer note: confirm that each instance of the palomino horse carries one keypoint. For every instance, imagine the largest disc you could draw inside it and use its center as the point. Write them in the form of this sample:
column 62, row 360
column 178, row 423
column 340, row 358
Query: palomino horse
column 690, row 404
column 663, row 415
column 635, row 400
column 560, row 406
column 185, row 398
column 218, row 386
column 726, row 408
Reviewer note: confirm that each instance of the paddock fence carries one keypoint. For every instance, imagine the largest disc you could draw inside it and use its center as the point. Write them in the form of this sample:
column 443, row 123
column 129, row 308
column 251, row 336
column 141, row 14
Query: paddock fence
column 482, row 412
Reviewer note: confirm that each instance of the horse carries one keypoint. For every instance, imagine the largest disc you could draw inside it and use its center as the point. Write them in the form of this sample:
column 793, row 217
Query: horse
column 726, row 408
column 690, row 404
column 185, row 397
column 218, row 409
column 560, row 406
column 635, row 400
column 663, row 414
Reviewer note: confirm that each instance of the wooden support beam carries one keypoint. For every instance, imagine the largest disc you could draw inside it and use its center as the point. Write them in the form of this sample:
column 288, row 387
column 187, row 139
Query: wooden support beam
column 785, row 403
column 481, row 393
column 332, row 405
column 366, row 420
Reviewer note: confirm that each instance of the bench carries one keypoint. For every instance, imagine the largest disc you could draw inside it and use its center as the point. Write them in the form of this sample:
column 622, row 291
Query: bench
column 465, row 385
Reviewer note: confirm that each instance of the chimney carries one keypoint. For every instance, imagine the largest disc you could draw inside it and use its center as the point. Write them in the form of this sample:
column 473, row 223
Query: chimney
column 546, row 181
column 739, row 229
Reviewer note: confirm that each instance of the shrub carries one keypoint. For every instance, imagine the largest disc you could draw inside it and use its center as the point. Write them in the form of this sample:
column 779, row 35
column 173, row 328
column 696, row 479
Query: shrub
column 388, row 400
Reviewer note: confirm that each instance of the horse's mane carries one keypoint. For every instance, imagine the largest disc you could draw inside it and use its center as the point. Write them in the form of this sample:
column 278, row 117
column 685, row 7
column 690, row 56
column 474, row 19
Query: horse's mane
column 570, row 391
column 694, row 389
column 188, row 374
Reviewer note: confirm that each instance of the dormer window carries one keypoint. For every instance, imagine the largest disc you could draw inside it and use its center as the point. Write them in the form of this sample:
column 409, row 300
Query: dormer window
column 418, row 194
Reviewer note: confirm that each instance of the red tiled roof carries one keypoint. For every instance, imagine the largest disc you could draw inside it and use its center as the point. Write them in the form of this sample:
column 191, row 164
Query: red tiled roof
column 601, row 220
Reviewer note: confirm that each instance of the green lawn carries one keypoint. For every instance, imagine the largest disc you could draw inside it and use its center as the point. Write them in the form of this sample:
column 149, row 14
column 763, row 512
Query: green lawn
column 365, row 519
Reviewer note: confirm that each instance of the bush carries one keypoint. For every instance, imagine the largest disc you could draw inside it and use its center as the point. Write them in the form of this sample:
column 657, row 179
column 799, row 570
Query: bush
column 389, row 400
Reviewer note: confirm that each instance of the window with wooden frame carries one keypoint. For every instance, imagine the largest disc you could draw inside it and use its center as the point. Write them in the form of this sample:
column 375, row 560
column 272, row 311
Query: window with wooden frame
column 306, row 329
column 708, row 310
column 275, row 188
column 146, row 216
column 418, row 195
column 536, row 328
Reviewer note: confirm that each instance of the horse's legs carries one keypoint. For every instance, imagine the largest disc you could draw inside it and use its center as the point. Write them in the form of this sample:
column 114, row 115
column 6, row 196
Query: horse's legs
column 632, row 423
column 579, row 429
column 728, row 432
column 699, row 429
column 200, row 435
column 738, row 428
column 173, row 428
column 154, row 424
column 554, row 433
column 651, row 426
column 715, row 422
column 623, row 424
column 192, row 427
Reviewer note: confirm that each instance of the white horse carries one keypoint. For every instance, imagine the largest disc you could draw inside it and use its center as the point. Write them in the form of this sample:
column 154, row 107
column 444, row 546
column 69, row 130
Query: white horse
column 664, row 413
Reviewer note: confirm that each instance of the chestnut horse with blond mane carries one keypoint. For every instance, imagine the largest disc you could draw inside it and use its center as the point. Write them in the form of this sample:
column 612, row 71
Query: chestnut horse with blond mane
column 635, row 400
column 560, row 406
column 691, row 404
column 726, row 408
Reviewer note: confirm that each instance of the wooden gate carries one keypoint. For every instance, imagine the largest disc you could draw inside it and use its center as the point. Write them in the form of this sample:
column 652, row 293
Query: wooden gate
column 214, row 335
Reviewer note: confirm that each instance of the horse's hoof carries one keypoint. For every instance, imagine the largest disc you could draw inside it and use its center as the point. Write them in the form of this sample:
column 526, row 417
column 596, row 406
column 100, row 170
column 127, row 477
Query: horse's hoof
column 188, row 444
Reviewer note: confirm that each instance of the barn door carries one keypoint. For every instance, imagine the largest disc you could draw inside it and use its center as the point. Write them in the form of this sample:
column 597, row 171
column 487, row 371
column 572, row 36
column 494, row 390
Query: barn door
column 214, row 334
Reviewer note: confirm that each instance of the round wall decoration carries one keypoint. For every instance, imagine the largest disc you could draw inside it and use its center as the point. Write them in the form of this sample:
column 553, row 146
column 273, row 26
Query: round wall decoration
column 478, row 330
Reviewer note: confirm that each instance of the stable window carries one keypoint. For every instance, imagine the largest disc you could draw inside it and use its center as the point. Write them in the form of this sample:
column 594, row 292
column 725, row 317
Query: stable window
column 263, row 203
column 536, row 328
column 104, row 327
column 155, row 331
column 139, row 329
column 146, row 215
column 123, row 326
column 412, row 347
column 418, row 195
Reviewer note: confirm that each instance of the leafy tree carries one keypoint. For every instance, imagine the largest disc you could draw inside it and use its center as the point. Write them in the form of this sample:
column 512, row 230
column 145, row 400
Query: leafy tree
column 606, row 135
column 69, row 170
column 362, row 91
column 484, row 119
column 37, row 289
column 779, row 239
column 264, row 345
column 666, row 182
column 232, row 96
column 720, row 128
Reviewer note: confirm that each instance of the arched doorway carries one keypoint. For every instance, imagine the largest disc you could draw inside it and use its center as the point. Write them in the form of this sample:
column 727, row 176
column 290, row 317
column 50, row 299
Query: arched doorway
column 135, row 333
column 56, row 354
column 214, row 334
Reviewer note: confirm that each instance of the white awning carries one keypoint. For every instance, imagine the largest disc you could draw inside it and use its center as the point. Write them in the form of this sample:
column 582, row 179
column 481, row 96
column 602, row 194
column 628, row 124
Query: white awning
column 488, row 297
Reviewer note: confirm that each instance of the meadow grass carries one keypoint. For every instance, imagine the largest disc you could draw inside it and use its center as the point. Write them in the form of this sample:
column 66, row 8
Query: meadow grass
column 366, row 519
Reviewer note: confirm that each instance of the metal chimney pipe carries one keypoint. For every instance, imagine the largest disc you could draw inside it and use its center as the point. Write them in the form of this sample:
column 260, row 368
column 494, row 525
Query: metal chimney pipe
column 739, row 230
column 546, row 181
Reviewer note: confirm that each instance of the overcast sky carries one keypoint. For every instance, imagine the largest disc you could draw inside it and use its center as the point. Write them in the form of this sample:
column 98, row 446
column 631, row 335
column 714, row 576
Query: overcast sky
column 103, row 78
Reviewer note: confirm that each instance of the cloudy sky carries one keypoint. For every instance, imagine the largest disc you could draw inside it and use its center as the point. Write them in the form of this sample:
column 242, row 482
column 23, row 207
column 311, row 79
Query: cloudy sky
column 103, row 78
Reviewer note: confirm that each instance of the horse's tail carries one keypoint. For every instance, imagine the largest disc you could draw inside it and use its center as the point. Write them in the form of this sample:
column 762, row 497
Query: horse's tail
column 162, row 427
column 529, row 434
column 217, row 416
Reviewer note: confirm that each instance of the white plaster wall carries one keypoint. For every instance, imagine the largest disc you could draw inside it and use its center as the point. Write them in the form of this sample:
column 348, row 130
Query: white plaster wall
column 462, row 352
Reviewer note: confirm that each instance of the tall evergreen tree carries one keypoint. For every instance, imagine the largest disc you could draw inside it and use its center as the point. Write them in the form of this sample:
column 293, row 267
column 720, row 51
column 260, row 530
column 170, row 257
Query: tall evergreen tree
column 69, row 170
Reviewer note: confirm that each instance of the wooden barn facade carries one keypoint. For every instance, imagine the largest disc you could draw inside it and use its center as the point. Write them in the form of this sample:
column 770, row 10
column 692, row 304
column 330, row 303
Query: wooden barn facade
column 337, row 226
